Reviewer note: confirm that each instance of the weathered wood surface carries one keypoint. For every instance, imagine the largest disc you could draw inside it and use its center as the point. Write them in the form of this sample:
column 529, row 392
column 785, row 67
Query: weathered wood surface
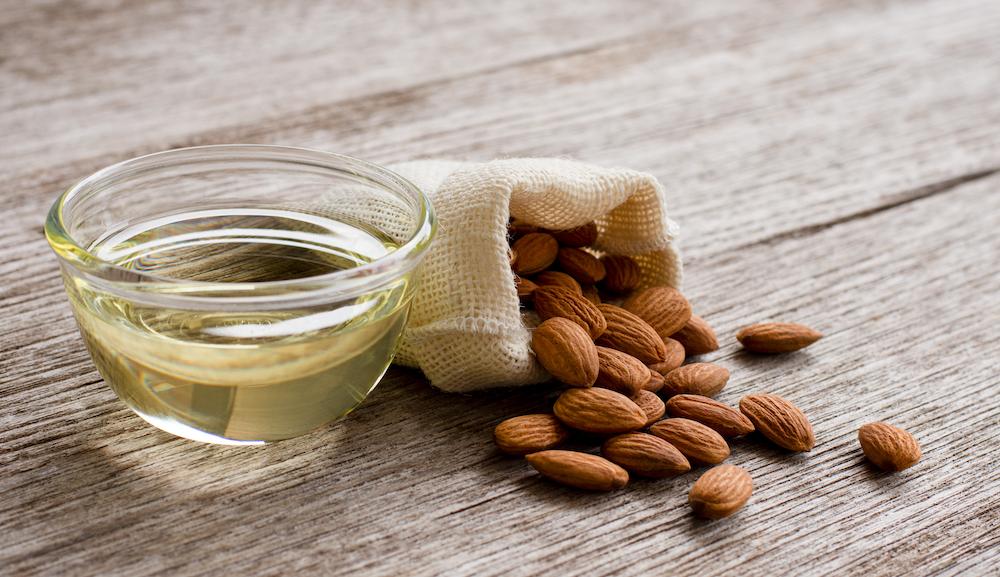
column 835, row 163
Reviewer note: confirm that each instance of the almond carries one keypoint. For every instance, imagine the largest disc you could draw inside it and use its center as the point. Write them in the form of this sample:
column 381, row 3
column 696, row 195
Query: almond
column 696, row 441
column 552, row 301
column 516, row 229
column 566, row 351
column 529, row 433
column 560, row 279
column 780, row 421
column 650, row 404
column 697, row 337
column 536, row 251
column 622, row 274
column 655, row 382
column 620, row 372
column 630, row 334
column 524, row 287
column 889, row 448
column 580, row 265
column 583, row 235
column 720, row 492
column 723, row 419
column 705, row 379
column 777, row 337
column 590, row 293
column 675, row 357
column 580, row 470
column 663, row 307
column 598, row 410
column 512, row 257
column 645, row 455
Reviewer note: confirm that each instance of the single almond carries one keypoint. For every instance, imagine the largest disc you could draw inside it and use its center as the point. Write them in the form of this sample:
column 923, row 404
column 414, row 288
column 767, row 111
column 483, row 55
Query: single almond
column 697, row 337
column 655, row 382
column 622, row 274
column 536, row 251
column 889, row 448
column 529, row 434
column 720, row 492
column 581, row 265
column 645, row 455
column 705, row 379
column 583, row 235
column 560, row 279
column 620, row 372
column 675, row 357
column 552, row 301
column 650, row 404
column 525, row 288
column 697, row 442
column 630, row 334
column 779, row 420
column 566, row 351
column 723, row 419
column 663, row 307
column 777, row 337
column 580, row 470
column 597, row 410
column 516, row 229
column 590, row 293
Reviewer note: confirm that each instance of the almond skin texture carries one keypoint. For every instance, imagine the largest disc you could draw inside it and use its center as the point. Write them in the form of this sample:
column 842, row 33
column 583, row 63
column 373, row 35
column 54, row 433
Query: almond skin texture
column 553, row 301
column 536, row 251
column 697, row 337
column 620, row 372
column 705, row 379
column 529, row 434
column 663, row 307
column 622, row 274
column 780, row 421
column 720, row 492
column 675, row 357
column 889, row 448
column 650, row 404
column 723, row 419
column 580, row 470
column 601, row 411
column 584, row 235
column 590, row 293
column 560, row 279
column 516, row 229
column 696, row 441
column 655, row 382
column 777, row 337
column 630, row 334
column 645, row 455
column 580, row 265
column 566, row 352
column 525, row 288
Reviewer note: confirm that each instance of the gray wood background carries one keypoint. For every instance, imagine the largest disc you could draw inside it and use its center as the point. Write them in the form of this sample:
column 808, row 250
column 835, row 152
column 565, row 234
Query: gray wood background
column 831, row 162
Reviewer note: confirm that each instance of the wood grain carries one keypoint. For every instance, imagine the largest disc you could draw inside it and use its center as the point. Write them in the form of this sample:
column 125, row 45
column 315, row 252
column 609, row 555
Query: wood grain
column 831, row 163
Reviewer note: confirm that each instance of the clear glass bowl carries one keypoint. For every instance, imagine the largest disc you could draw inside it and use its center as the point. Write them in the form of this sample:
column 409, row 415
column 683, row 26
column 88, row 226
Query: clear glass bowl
column 241, row 293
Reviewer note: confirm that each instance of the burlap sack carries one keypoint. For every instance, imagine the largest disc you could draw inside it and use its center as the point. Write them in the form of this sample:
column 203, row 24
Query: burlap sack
column 467, row 330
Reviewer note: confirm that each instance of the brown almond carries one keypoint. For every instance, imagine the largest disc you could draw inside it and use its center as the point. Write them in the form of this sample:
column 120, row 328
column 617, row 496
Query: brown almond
column 779, row 420
column 705, row 379
column 723, row 419
column 889, row 448
column 525, row 288
column 560, row 279
column 512, row 257
column 650, row 404
column 580, row 470
column 581, row 265
column 777, row 337
column 663, row 307
column 620, row 372
column 622, row 273
column 655, row 382
column 598, row 410
column 697, row 337
column 583, row 235
column 675, row 357
column 566, row 352
column 529, row 434
column 697, row 442
column 551, row 302
column 645, row 455
column 720, row 492
column 590, row 293
column 536, row 251
column 630, row 334
column 516, row 229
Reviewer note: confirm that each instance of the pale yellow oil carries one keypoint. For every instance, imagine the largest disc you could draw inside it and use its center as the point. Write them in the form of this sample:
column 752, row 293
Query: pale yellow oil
column 240, row 377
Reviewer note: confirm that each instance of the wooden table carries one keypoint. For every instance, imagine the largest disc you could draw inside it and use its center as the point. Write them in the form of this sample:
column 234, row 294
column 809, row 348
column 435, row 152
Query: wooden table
column 835, row 163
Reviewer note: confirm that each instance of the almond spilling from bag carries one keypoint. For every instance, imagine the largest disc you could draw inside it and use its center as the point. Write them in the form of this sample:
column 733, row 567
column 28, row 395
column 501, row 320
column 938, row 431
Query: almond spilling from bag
column 705, row 379
column 723, row 419
column 581, row 265
column 621, row 274
column 584, row 235
column 645, row 455
column 696, row 441
column 560, row 279
column 620, row 372
column 720, row 492
column 580, row 470
column 664, row 308
column 777, row 337
column 630, row 334
column 779, row 420
column 597, row 410
column 889, row 448
column 675, row 357
column 697, row 337
column 650, row 404
column 566, row 352
column 536, row 251
column 552, row 302
column 524, row 287
column 529, row 434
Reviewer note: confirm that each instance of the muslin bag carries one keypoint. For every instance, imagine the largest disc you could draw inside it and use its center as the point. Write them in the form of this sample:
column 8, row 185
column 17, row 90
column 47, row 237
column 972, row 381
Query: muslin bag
column 467, row 330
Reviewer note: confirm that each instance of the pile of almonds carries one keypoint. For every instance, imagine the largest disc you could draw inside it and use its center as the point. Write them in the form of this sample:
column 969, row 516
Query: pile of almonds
column 618, row 360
